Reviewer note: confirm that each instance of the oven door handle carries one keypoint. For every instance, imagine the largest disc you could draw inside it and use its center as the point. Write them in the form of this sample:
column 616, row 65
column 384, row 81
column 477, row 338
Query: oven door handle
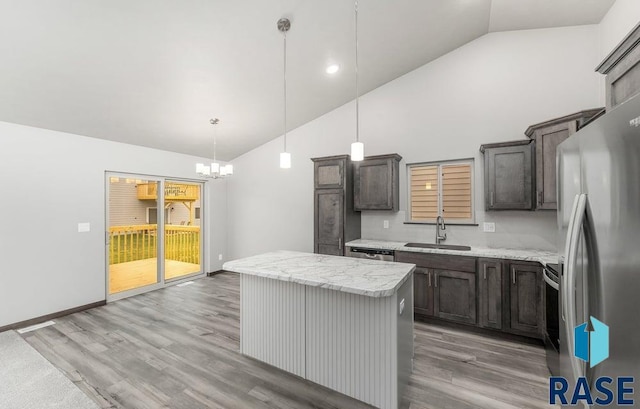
column 550, row 281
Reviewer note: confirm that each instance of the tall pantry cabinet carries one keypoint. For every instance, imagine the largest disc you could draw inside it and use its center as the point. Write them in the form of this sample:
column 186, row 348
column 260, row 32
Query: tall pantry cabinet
column 335, row 220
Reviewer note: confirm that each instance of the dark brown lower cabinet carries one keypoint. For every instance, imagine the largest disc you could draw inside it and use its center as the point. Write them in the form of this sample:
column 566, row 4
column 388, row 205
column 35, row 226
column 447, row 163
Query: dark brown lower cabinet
column 423, row 291
column 490, row 293
column 527, row 314
column 454, row 296
column 497, row 294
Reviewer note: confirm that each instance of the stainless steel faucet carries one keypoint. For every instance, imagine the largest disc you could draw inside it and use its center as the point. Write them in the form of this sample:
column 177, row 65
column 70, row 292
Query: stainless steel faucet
column 441, row 234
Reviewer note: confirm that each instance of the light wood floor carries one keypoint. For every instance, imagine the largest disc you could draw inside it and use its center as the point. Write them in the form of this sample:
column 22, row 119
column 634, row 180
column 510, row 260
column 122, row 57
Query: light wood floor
column 178, row 348
column 135, row 274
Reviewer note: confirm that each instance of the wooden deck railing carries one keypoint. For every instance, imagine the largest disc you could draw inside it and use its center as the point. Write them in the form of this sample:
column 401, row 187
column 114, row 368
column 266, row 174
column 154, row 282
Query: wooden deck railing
column 139, row 242
column 173, row 192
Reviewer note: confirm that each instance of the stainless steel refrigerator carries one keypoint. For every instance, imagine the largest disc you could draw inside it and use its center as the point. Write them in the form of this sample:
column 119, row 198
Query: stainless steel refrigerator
column 598, row 171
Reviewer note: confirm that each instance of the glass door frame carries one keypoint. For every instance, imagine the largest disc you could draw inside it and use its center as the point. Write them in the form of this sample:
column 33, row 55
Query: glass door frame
column 189, row 276
column 160, row 203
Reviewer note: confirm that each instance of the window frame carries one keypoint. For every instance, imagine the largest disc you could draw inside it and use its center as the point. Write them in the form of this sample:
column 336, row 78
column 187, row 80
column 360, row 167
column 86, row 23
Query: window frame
column 440, row 163
column 167, row 216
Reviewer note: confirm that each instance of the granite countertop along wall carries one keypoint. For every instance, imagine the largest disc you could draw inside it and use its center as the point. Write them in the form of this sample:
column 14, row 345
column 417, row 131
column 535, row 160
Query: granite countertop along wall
column 541, row 256
column 351, row 275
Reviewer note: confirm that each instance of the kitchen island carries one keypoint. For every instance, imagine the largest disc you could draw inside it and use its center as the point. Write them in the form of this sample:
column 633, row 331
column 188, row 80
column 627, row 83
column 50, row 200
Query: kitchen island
column 343, row 323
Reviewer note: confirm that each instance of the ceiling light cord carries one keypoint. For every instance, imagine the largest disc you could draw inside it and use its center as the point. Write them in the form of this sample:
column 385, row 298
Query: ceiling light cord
column 357, row 89
column 214, row 121
column 284, row 24
column 285, row 90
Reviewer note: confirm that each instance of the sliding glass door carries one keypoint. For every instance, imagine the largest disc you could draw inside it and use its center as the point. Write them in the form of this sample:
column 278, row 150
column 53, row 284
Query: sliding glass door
column 153, row 233
column 182, row 233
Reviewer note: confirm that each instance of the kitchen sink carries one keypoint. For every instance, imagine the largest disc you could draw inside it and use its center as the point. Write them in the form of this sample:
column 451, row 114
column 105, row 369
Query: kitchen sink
column 438, row 246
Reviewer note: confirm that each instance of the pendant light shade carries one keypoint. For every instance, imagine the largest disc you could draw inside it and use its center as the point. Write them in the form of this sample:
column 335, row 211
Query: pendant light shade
column 285, row 160
column 285, row 157
column 357, row 148
column 357, row 151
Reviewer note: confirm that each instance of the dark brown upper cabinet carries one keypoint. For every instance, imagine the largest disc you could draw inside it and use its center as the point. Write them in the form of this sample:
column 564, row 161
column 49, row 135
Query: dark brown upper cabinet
column 335, row 220
column 330, row 172
column 377, row 183
column 508, row 175
column 622, row 70
column 547, row 136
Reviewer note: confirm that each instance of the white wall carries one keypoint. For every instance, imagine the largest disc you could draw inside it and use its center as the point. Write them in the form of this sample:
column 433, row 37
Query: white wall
column 621, row 18
column 489, row 90
column 50, row 182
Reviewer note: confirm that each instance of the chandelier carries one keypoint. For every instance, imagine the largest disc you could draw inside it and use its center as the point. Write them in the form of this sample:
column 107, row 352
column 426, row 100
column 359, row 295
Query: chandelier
column 216, row 170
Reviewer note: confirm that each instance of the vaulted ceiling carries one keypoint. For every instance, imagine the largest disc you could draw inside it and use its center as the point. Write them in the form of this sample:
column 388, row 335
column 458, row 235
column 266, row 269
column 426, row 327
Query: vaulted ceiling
column 152, row 72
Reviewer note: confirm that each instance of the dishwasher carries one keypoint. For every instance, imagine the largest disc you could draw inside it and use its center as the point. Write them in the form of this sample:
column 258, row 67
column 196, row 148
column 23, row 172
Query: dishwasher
column 371, row 254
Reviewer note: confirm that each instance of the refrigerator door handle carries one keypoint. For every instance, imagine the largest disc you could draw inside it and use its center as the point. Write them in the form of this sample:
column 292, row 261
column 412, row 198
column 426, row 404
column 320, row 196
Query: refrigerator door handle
column 569, row 291
column 564, row 274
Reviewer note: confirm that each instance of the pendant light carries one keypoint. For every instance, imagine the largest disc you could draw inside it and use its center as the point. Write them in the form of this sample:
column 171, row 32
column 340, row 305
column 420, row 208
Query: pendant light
column 214, row 171
column 357, row 148
column 285, row 157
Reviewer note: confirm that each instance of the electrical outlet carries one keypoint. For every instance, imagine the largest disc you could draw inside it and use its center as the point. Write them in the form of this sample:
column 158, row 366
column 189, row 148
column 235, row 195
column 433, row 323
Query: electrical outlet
column 385, row 224
column 84, row 227
column 219, row 256
column 489, row 227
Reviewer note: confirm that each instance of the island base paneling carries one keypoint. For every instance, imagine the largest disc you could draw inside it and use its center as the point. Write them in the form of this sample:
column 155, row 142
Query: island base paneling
column 358, row 345
column 272, row 322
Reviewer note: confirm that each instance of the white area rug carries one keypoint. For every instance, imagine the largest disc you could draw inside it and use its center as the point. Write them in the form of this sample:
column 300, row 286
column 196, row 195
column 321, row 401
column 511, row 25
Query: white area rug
column 29, row 381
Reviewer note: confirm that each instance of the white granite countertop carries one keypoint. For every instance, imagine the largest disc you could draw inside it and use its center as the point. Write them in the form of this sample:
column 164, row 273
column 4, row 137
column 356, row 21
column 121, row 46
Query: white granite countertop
column 543, row 257
column 351, row 275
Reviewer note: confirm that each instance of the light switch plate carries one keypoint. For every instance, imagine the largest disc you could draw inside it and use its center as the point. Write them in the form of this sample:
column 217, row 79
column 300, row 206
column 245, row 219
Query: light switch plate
column 84, row 227
column 385, row 224
column 219, row 256
column 489, row 227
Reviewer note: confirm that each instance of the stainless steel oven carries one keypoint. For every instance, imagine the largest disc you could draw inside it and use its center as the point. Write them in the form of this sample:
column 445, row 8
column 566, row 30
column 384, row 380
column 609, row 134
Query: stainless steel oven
column 552, row 330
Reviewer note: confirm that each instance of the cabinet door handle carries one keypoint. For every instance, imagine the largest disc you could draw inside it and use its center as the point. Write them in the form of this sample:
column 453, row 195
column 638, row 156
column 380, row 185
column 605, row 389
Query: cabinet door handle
column 435, row 277
column 339, row 243
column 491, row 198
column 513, row 274
column 485, row 271
column 429, row 278
column 539, row 197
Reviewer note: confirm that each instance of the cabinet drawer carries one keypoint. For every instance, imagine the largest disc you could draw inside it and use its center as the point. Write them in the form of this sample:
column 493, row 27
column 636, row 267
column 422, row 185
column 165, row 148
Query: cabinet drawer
column 438, row 261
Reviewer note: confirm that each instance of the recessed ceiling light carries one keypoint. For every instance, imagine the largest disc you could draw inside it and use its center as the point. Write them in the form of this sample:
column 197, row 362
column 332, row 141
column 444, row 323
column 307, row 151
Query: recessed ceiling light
column 333, row 68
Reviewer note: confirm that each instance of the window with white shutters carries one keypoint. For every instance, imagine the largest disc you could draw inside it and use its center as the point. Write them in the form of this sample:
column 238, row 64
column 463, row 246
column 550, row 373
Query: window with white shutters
column 441, row 189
